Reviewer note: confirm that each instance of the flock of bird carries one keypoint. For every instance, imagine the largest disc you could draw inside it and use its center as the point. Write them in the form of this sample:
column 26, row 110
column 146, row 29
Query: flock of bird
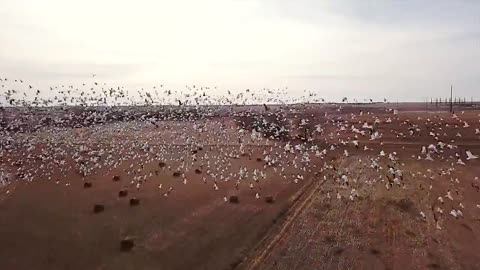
column 93, row 93
column 200, row 137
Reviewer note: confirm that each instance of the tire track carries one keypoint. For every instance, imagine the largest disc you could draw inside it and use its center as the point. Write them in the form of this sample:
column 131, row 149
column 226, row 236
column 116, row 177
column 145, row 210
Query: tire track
column 272, row 239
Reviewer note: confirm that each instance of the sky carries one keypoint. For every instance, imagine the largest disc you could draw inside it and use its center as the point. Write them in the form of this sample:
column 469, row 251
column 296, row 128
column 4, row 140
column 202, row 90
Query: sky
column 400, row 50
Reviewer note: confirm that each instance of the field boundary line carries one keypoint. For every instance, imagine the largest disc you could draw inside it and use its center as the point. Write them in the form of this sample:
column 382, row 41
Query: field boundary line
column 277, row 233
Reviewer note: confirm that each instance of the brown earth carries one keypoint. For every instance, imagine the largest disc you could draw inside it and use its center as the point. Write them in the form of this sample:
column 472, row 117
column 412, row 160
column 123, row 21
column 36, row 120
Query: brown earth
column 383, row 229
column 50, row 223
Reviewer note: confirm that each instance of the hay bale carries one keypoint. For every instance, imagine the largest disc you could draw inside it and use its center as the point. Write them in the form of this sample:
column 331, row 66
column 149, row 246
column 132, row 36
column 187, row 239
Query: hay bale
column 161, row 164
column 123, row 193
column 234, row 199
column 200, row 148
column 116, row 178
column 198, row 171
column 87, row 185
column 134, row 202
column 259, row 159
column 127, row 244
column 269, row 199
column 176, row 174
column 194, row 151
column 97, row 208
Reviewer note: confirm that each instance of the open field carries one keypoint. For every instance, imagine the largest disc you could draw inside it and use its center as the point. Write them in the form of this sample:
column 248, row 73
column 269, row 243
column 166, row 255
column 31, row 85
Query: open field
column 350, row 188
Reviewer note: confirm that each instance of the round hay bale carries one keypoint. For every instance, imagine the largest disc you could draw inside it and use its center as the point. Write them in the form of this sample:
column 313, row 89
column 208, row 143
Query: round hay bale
column 161, row 164
column 234, row 199
column 87, row 184
column 194, row 151
column 127, row 244
column 269, row 199
column 97, row 208
column 123, row 193
column 200, row 148
column 259, row 159
column 134, row 202
column 176, row 174
column 198, row 171
column 116, row 178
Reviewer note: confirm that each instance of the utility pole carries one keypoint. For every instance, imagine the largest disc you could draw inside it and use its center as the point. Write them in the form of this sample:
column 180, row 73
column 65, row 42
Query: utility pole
column 451, row 96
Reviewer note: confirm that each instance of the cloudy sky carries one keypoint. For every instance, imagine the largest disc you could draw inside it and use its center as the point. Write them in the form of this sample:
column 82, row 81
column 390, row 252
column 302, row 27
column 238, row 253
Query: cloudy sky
column 402, row 50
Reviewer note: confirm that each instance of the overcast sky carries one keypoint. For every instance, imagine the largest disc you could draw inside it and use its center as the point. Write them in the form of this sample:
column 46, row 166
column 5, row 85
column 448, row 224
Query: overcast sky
column 402, row 50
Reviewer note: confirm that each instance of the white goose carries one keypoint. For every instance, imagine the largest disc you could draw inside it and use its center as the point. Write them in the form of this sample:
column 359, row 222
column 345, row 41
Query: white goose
column 470, row 155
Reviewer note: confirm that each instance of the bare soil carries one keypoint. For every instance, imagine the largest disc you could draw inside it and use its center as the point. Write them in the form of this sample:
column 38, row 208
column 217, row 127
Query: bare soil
column 49, row 222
